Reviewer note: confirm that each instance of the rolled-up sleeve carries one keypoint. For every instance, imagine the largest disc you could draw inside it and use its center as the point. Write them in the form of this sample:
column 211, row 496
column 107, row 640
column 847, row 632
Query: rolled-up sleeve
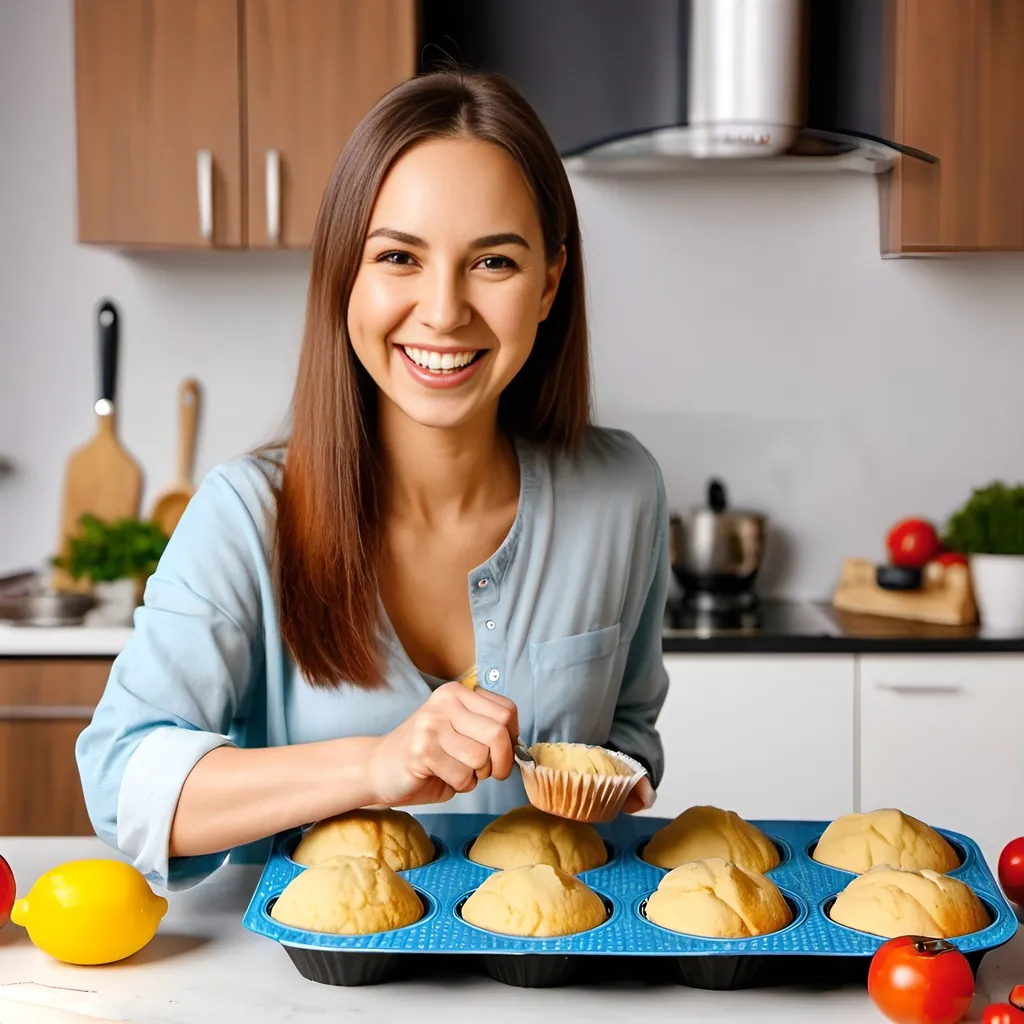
column 178, row 685
column 645, row 680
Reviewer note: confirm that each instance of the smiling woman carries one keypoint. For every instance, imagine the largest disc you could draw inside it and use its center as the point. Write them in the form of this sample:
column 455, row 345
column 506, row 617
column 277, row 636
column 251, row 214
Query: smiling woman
column 442, row 503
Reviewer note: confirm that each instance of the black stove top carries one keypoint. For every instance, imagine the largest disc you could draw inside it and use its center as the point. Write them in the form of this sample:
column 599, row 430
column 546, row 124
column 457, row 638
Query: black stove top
column 764, row 618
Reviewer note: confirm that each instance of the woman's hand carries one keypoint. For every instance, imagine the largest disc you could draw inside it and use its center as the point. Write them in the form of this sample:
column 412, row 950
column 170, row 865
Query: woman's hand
column 641, row 796
column 456, row 738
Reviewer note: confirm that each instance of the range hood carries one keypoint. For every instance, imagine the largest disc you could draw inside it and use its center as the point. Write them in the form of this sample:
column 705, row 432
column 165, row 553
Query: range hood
column 688, row 86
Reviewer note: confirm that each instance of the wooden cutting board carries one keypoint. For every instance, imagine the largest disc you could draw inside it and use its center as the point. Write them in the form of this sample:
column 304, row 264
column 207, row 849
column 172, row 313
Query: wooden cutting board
column 101, row 477
column 170, row 506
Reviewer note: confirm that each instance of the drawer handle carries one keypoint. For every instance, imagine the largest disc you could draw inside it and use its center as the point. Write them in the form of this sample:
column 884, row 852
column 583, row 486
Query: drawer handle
column 273, row 165
column 42, row 712
column 946, row 689
column 204, row 182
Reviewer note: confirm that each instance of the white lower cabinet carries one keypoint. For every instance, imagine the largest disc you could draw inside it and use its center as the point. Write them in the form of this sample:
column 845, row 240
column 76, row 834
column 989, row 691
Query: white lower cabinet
column 768, row 736
column 942, row 738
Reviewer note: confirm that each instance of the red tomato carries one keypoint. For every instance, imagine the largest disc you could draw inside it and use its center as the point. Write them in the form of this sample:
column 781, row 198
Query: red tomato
column 912, row 543
column 1017, row 996
column 1011, row 870
column 914, row 980
column 951, row 558
column 7, row 890
column 1002, row 1013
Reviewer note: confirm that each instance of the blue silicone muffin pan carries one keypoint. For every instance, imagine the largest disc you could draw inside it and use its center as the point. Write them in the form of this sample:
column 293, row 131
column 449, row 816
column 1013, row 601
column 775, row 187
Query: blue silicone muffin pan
column 813, row 944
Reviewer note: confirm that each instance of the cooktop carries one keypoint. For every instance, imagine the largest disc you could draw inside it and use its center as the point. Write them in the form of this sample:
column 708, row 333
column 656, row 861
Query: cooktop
column 766, row 618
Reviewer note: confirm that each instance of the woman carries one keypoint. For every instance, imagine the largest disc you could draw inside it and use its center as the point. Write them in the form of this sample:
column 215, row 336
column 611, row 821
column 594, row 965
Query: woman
column 442, row 503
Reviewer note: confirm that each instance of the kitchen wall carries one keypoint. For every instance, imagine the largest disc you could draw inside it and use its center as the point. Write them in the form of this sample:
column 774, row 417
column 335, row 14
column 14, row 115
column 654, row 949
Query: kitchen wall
column 742, row 326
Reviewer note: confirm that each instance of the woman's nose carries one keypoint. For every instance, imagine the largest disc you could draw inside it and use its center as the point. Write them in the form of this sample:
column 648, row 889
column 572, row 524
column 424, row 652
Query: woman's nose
column 442, row 305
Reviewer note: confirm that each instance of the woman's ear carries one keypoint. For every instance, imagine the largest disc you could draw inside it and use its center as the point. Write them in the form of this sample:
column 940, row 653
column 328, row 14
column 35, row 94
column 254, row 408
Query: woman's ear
column 552, row 277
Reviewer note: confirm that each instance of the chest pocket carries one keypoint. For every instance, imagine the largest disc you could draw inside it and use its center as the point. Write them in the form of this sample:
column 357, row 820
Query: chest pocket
column 576, row 686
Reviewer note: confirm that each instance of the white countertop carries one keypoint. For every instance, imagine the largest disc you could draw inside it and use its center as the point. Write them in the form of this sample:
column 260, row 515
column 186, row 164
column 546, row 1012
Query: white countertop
column 63, row 641
column 203, row 966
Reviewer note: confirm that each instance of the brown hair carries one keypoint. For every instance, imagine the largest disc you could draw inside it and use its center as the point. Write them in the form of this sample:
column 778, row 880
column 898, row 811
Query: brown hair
column 327, row 536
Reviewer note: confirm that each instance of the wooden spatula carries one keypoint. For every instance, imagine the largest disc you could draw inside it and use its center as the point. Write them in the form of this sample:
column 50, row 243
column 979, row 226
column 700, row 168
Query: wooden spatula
column 101, row 477
column 171, row 504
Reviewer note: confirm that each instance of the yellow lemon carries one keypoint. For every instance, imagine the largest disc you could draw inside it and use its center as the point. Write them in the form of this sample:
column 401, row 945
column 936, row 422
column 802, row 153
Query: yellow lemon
column 90, row 912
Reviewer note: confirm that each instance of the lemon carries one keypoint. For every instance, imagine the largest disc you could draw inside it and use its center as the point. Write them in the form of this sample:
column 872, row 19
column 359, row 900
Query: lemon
column 90, row 912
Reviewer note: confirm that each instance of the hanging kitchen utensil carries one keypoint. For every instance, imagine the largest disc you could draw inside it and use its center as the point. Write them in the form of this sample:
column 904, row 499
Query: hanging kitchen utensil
column 171, row 504
column 101, row 477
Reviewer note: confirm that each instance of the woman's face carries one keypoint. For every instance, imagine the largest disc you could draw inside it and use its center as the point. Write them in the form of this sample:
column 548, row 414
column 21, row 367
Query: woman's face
column 453, row 282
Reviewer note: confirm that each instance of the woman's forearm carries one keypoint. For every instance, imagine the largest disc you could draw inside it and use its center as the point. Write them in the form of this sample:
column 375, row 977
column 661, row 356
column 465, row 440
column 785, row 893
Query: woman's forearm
column 233, row 796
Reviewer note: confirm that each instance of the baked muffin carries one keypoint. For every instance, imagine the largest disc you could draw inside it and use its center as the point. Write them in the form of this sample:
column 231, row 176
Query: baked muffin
column 394, row 837
column 891, row 902
column 578, row 757
column 578, row 781
column 703, row 832
column 537, row 900
column 718, row 900
column 526, row 835
column 886, row 838
column 348, row 896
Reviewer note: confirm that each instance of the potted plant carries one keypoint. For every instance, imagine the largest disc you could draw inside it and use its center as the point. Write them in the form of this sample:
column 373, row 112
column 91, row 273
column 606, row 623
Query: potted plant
column 989, row 529
column 116, row 558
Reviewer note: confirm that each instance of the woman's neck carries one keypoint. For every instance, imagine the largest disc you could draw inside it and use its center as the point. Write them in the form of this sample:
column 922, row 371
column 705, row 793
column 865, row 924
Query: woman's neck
column 434, row 475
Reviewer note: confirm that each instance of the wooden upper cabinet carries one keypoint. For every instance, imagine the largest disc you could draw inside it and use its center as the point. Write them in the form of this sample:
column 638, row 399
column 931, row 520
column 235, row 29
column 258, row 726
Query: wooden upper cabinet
column 157, row 85
column 313, row 69
column 958, row 93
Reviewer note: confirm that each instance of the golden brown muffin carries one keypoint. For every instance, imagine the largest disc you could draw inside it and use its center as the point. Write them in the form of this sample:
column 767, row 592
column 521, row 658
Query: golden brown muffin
column 718, row 900
column 528, row 836
column 348, row 896
column 886, row 838
column 702, row 832
column 537, row 901
column 394, row 837
column 577, row 757
column 891, row 902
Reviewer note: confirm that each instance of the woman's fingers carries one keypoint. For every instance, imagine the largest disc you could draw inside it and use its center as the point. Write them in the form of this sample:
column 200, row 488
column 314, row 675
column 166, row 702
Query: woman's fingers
column 450, row 770
column 489, row 705
column 491, row 735
column 465, row 747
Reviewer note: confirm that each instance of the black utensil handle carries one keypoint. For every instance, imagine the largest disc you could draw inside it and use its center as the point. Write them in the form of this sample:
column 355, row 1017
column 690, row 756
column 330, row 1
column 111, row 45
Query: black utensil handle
column 107, row 319
column 716, row 496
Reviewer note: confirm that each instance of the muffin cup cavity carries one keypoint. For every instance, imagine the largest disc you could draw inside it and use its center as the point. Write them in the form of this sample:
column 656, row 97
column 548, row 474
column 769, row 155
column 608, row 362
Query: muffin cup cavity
column 781, row 847
column 611, row 855
column 962, row 857
column 825, row 907
column 609, row 910
column 530, row 970
column 582, row 797
column 797, row 908
column 344, row 967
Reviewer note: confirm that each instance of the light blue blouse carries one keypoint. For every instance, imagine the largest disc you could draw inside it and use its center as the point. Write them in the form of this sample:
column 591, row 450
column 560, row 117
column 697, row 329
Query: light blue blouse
column 567, row 616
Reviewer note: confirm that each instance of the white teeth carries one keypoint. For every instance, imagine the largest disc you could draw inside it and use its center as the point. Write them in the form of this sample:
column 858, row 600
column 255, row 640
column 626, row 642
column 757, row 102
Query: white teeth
column 438, row 362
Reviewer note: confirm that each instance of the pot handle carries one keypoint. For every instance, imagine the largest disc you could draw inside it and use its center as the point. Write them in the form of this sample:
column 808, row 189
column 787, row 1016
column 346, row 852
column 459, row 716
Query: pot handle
column 716, row 496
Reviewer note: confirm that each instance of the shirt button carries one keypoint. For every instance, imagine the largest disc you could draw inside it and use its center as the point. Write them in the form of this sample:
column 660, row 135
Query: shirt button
column 482, row 583
column 493, row 676
column 490, row 623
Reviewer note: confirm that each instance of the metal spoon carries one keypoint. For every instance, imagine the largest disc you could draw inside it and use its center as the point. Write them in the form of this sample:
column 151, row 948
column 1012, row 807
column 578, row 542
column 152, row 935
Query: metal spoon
column 522, row 754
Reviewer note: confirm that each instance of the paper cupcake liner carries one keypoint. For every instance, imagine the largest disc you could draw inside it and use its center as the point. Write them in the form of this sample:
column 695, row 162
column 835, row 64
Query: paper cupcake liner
column 590, row 798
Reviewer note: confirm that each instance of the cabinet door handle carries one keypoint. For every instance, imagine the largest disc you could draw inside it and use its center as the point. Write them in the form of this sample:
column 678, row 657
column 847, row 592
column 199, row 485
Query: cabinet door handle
column 945, row 689
column 273, row 169
column 204, row 181
column 44, row 712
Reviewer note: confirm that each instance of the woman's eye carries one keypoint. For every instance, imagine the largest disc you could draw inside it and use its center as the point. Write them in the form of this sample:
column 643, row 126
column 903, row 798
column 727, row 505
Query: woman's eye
column 396, row 258
column 497, row 263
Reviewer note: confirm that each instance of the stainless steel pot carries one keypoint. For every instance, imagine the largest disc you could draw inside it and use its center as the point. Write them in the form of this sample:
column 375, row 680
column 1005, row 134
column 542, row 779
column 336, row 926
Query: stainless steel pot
column 716, row 549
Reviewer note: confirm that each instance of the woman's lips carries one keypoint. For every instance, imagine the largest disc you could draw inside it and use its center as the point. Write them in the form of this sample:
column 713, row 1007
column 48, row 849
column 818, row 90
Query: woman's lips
column 450, row 379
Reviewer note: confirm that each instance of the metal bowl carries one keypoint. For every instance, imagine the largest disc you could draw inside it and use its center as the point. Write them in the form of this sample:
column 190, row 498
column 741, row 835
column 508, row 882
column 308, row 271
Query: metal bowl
column 46, row 608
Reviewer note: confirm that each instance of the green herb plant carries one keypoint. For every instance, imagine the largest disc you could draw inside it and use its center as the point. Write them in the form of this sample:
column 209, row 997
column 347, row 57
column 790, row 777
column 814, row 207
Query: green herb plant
column 991, row 522
column 124, row 549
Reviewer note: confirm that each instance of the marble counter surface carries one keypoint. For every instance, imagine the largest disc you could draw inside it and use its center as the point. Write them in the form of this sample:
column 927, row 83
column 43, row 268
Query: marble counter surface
column 204, row 967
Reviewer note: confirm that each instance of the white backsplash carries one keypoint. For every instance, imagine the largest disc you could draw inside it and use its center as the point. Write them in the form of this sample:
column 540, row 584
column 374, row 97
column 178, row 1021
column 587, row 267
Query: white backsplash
column 741, row 327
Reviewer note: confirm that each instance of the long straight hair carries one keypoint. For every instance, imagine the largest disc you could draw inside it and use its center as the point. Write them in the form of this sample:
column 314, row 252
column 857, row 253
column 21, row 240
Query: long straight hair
column 327, row 533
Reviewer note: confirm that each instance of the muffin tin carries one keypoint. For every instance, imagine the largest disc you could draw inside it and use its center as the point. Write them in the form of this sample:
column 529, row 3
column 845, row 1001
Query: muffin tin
column 812, row 947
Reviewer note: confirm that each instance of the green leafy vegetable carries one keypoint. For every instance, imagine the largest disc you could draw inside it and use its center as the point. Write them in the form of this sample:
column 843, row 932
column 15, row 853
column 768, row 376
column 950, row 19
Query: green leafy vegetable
column 102, row 552
column 991, row 522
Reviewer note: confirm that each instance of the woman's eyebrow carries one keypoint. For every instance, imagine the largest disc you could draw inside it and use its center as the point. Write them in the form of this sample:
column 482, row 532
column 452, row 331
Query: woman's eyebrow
column 485, row 242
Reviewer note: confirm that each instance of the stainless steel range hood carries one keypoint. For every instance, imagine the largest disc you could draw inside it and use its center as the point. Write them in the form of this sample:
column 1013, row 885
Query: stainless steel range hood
column 688, row 86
